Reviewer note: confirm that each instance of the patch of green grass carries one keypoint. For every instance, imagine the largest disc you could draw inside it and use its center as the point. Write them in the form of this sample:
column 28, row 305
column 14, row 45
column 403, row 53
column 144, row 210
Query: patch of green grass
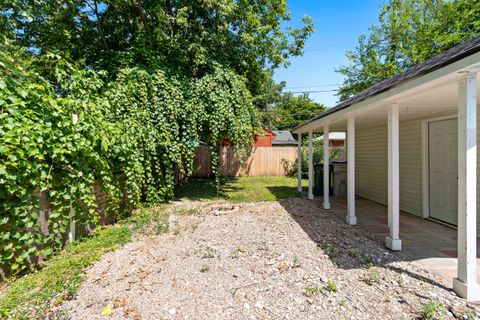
column 330, row 250
column 331, row 286
column 311, row 291
column 240, row 189
column 371, row 276
column 433, row 310
column 30, row 296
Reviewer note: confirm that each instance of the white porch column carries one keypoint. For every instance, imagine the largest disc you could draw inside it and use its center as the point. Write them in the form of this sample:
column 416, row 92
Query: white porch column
column 326, row 165
column 299, row 161
column 351, row 218
column 465, row 285
column 310, row 165
column 393, row 241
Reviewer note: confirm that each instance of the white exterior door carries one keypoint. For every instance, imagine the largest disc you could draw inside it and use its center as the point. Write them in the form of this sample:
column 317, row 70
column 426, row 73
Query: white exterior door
column 443, row 170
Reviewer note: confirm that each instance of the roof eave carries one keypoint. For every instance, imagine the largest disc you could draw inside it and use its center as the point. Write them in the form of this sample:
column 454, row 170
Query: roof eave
column 390, row 93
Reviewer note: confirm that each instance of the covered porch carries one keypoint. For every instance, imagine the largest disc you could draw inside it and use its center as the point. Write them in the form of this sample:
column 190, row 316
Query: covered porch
column 425, row 241
column 411, row 144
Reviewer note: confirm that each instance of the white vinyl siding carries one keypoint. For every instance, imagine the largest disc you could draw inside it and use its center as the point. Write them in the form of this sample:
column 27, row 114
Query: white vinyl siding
column 411, row 166
column 478, row 170
column 371, row 165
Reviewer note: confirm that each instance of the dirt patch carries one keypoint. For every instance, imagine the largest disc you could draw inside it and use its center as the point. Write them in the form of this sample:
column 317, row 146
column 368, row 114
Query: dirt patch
column 288, row 260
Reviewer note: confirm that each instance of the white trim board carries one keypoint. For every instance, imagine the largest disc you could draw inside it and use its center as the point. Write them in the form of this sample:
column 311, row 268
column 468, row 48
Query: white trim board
column 396, row 93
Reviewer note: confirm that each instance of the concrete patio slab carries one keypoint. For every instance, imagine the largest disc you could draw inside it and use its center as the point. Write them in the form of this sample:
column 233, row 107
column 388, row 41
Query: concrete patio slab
column 430, row 243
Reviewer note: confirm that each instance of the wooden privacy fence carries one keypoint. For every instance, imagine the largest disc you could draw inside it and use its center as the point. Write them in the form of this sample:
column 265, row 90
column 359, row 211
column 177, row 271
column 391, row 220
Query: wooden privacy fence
column 262, row 161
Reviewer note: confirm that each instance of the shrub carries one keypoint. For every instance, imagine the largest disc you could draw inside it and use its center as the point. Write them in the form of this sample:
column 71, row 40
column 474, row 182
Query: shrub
column 65, row 144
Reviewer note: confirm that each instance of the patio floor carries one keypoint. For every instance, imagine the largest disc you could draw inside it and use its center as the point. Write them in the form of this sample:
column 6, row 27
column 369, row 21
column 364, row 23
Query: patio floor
column 430, row 243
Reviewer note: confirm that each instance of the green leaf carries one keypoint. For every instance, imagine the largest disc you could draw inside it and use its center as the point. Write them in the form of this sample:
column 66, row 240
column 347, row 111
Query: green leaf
column 13, row 110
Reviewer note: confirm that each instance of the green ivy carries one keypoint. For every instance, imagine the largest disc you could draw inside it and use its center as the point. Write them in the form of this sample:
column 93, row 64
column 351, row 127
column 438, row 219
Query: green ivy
column 128, row 137
column 227, row 112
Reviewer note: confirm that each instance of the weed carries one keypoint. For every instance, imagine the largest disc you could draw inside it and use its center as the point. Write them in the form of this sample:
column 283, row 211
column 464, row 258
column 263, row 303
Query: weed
column 209, row 252
column 205, row 268
column 330, row 250
column 367, row 261
column 432, row 310
column 371, row 276
column 150, row 221
column 331, row 286
column 311, row 291
column 352, row 253
column 193, row 211
column 296, row 262
column 342, row 303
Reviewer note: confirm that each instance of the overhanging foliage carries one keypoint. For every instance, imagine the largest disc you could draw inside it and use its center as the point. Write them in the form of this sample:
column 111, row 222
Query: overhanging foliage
column 126, row 137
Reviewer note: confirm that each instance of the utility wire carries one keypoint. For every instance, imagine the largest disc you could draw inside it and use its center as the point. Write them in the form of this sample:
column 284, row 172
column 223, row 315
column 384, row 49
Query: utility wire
column 319, row 86
column 314, row 91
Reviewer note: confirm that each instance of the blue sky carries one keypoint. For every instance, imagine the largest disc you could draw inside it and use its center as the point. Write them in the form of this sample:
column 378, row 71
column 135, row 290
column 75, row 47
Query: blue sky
column 338, row 24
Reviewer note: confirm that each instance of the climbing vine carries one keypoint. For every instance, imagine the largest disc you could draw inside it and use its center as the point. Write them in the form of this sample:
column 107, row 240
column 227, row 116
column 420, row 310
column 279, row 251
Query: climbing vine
column 228, row 114
column 68, row 143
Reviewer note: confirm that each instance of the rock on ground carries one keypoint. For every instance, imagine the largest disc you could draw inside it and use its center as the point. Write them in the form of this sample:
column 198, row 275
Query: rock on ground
column 276, row 260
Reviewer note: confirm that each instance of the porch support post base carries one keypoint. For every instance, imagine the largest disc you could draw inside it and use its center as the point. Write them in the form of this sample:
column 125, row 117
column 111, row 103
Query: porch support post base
column 469, row 291
column 351, row 220
column 326, row 205
column 393, row 244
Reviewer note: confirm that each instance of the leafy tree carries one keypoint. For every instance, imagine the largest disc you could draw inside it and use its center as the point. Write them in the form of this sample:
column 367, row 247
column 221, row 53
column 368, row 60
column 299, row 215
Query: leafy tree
column 408, row 33
column 114, row 96
column 246, row 36
column 289, row 111
column 130, row 137
column 270, row 93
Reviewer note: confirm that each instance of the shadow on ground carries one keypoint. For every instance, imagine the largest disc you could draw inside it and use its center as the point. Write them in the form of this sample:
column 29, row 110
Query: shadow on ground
column 350, row 247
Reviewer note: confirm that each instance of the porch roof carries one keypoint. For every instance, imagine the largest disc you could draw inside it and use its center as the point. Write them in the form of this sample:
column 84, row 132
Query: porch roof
column 457, row 53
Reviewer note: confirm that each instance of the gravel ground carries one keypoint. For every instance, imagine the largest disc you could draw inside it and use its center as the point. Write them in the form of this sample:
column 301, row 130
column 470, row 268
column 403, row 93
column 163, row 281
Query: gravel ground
column 276, row 260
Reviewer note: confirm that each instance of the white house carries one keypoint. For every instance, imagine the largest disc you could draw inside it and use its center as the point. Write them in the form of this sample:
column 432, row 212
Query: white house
column 335, row 138
column 412, row 145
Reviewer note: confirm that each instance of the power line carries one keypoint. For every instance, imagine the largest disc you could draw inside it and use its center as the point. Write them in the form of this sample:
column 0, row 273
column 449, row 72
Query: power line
column 314, row 91
column 318, row 86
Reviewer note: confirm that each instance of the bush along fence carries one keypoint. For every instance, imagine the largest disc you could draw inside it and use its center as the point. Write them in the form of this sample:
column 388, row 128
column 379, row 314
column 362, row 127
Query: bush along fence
column 86, row 146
